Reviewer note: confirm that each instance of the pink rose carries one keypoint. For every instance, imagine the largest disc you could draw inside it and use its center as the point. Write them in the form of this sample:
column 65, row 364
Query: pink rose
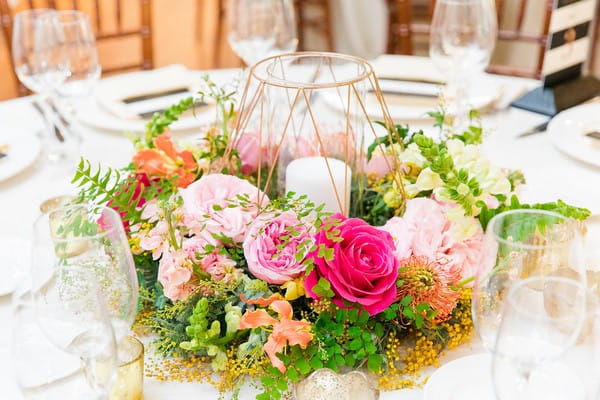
column 467, row 255
column 363, row 269
column 430, row 227
column 271, row 250
column 402, row 233
column 424, row 231
column 249, row 150
column 174, row 273
column 379, row 166
column 206, row 204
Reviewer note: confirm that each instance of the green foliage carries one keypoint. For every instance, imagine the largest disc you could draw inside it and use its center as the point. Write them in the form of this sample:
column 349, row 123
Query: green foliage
column 525, row 227
column 121, row 189
column 160, row 122
column 207, row 336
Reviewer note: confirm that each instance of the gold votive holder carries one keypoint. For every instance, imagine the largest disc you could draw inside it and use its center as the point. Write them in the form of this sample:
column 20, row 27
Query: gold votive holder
column 129, row 382
column 55, row 202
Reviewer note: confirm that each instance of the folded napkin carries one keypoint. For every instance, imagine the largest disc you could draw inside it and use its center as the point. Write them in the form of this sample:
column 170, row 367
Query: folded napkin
column 407, row 68
column 120, row 94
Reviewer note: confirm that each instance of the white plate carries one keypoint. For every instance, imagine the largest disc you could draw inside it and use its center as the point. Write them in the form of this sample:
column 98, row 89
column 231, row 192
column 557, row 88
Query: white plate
column 93, row 114
column 23, row 149
column 567, row 131
column 466, row 378
column 14, row 253
column 483, row 93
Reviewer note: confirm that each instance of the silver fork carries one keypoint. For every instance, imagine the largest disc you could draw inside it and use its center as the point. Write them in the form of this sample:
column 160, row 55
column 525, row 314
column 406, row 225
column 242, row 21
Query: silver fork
column 38, row 107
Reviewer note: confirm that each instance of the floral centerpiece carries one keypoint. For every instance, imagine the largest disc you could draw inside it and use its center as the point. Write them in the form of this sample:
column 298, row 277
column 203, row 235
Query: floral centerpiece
column 240, row 284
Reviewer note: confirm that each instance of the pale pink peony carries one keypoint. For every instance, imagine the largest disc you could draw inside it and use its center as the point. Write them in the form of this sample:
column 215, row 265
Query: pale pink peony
column 206, row 204
column 402, row 233
column 424, row 231
column 466, row 254
column 175, row 273
column 430, row 226
column 265, row 260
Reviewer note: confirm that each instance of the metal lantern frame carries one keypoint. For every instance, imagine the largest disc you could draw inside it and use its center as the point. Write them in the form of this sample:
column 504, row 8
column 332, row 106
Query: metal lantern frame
column 253, row 99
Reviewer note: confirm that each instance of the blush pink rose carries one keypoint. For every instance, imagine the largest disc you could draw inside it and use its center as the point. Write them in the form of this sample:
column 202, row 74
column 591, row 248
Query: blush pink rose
column 175, row 273
column 431, row 228
column 363, row 269
column 379, row 166
column 206, row 206
column 467, row 255
column 402, row 233
column 271, row 251
column 424, row 231
column 249, row 150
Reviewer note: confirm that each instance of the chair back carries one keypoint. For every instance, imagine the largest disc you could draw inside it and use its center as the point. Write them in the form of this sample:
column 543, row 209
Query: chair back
column 410, row 21
column 117, row 25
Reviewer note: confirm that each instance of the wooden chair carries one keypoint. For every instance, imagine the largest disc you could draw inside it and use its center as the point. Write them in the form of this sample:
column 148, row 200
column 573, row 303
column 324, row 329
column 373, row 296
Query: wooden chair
column 412, row 17
column 313, row 17
column 107, row 31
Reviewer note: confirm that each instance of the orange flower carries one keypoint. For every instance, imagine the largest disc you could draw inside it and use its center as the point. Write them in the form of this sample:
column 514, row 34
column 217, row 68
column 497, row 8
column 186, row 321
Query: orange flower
column 286, row 331
column 165, row 161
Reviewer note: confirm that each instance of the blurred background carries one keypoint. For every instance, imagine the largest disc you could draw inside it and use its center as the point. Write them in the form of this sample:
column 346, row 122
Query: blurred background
column 144, row 34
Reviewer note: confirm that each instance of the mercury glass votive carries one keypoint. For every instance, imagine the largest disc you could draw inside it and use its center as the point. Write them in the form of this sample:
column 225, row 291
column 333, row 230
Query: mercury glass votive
column 55, row 202
column 129, row 381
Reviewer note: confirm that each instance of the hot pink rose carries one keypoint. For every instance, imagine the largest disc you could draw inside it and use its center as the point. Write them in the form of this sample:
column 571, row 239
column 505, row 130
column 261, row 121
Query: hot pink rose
column 363, row 269
column 206, row 205
column 271, row 250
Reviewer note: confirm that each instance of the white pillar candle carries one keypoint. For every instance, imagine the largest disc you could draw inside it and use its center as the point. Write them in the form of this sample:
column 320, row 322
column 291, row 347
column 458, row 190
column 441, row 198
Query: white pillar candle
column 311, row 176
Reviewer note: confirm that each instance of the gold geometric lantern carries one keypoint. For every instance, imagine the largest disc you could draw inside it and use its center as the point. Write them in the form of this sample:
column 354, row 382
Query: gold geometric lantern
column 305, row 118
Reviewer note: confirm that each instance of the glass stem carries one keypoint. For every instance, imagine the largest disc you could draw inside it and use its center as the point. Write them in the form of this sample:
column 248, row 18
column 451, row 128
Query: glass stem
column 91, row 372
column 54, row 139
column 461, row 105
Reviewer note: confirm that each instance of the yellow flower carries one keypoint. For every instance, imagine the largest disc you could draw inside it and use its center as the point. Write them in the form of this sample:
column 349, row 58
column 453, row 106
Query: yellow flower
column 294, row 289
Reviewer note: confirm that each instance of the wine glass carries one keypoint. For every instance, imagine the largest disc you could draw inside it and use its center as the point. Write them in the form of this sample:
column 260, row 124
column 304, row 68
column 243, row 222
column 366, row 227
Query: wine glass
column 519, row 244
column 79, row 44
column 89, row 237
column 261, row 28
column 41, row 64
column 463, row 35
column 63, row 345
column 548, row 345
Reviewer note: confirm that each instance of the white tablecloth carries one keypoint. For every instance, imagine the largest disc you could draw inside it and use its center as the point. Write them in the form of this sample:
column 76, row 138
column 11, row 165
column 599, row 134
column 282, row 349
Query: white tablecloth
column 550, row 174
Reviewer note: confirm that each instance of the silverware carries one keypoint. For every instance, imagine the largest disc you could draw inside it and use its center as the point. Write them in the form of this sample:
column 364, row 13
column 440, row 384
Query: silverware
column 63, row 120
column 405, row 93
column 593, row 135
column 149, row 96
column 425, row 81
column 536, row 129
column 39, row 109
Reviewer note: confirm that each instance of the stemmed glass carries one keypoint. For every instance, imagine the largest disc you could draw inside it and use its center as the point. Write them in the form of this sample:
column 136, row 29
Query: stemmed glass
column 261, row 28
column 463, row 35
column 79, row 44
column 549, row 342
column 519, row 244
column 42, row 65
column 89, row 237
column 63, row 344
